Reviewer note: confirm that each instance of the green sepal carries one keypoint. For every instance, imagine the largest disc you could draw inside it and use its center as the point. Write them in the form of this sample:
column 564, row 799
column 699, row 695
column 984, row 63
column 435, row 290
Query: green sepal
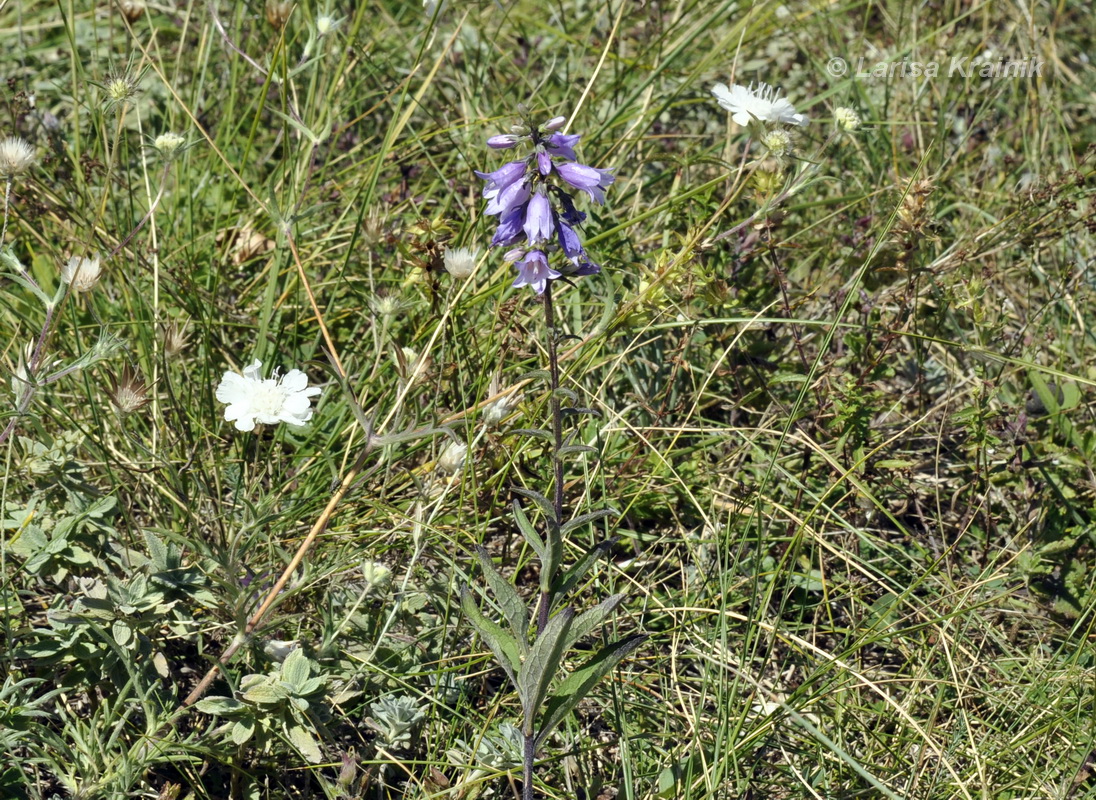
column 579, row 683
column 513, row 608
column 501, row 644
column 528, row 531
column 542, row 664
column 572, row 576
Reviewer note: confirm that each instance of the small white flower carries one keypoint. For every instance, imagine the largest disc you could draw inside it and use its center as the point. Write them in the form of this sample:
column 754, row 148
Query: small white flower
column 169, row 145
column 253, row 401
column 278, row 650
column 846, row 119
column 763, row 104
column 460, row 262
column 82, row 273
column 452, row 457
column 16, row 157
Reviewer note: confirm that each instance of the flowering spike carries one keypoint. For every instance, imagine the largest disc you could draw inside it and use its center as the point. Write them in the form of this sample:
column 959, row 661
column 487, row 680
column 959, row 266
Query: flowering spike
column 534, row 204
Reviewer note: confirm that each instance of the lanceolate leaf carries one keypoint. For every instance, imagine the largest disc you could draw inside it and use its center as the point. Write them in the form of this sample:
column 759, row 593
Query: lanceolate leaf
column 529, row 532
column 579, row 683
column 581, row 567
column 542, row 664
column 515, row 611
column 542, row 501
column 591, row 618
column 575, row 449
column 536, row 433
column 585, row 519
column 501, row 644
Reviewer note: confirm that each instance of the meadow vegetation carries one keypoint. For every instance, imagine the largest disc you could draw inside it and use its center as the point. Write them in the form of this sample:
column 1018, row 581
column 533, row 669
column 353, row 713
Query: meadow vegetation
column 822, row 416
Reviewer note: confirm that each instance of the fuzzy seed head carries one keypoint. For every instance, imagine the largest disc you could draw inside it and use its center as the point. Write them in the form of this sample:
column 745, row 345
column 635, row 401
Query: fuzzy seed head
column 452, row 457
column 128, row 392
column 176, row 337
column 460, row 262
column 131, row 9
column 82, row 273
column 326, row 25
column 16, row 157
column 277, row 12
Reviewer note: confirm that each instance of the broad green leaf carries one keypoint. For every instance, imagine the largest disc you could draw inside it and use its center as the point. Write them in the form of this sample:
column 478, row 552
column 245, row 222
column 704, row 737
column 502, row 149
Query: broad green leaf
column 122, row 633
column 242, row 730
column 219, row 706
column 501, row 644
column 542, row 664
column 305, row 742
column 296, row 668
column 513, row 608
column 572, row 576
column 528, row 531
column 264, row 692
column 579, row 683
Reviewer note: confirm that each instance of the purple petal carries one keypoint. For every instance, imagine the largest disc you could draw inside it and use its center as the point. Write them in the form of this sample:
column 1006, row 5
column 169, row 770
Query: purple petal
column 502, row 177
column 509, row 230
column 538, row 219
column 534, row 272
column 569, row 241
column 555, row 123
column 508, row 198
column 544, row 162
column 570, row 215
column 562, row 145
column 591, row 180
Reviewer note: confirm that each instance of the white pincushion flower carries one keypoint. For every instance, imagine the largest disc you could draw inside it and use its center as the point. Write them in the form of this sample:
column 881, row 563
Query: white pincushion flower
column 460, row 262
column 82, row 273
column 253, row 401
column 763, row 104
column 16, row 157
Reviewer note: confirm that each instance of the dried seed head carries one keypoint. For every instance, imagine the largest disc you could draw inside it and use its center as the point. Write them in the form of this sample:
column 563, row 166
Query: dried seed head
column 460, row 262
column 82, row 273
column 277, row 13
column 176, row 337
column 452, row 457
column 16, row 157
column 128, row 392
column 131, row 9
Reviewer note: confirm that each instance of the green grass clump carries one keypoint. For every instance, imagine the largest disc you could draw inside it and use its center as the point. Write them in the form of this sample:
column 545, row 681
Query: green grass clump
column 843, row 396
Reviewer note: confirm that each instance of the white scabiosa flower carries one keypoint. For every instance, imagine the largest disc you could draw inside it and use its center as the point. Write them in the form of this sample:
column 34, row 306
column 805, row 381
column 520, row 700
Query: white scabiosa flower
column 82, row 273
column 460, row 262
column 16, row 157
column 169, row 145
column 253, row 401
column 763, row 104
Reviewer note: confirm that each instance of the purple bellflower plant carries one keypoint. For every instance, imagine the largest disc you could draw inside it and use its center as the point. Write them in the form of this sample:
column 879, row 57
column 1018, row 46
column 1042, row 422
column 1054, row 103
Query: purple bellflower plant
column 533, row 201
